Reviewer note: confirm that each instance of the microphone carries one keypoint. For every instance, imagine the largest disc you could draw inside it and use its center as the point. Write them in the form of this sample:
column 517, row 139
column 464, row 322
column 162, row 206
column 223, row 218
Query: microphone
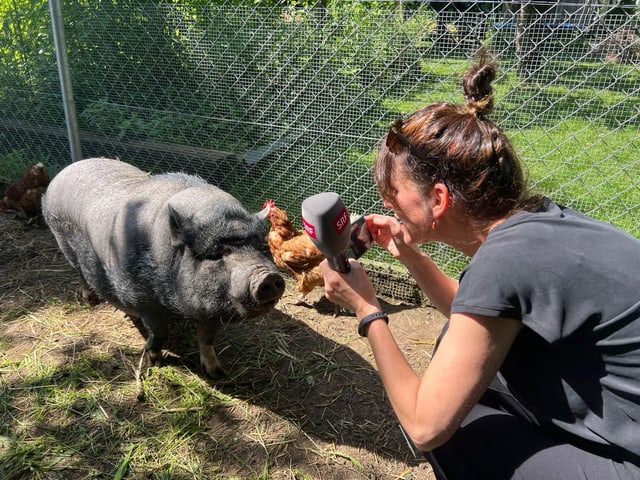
column 326, row 221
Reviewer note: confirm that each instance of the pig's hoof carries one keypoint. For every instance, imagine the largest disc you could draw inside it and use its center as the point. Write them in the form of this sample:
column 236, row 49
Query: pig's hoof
column 209, row 361
column 143, row 365
column 153, row 358
column 89, row 298
column 215, row 372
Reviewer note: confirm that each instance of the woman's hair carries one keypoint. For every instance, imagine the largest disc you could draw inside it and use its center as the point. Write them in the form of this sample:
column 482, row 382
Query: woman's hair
column 458, row 146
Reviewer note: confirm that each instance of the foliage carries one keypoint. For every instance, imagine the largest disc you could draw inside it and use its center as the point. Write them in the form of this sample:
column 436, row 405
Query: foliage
column 13, row 164
column 27, row 58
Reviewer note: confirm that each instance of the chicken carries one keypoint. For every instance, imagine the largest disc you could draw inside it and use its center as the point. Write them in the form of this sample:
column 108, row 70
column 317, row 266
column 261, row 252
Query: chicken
column 294, row 252
column 24, row 194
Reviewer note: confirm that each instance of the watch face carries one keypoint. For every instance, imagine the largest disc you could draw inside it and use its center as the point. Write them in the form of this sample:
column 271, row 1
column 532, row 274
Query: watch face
column 360, row 240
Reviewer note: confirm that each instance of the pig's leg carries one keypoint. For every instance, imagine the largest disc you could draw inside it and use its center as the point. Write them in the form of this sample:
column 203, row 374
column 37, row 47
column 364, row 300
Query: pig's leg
column 208, row 358
column 137, row 322
column 157, row 332
column 88, row 296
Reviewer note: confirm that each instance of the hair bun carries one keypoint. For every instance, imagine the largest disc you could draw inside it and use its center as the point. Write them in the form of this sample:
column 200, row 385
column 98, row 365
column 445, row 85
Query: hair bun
column 476, row 85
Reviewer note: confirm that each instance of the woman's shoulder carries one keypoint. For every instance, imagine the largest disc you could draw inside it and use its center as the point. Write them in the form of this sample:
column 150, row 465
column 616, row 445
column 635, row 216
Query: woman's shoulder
column 553, row 222
column 540, row 239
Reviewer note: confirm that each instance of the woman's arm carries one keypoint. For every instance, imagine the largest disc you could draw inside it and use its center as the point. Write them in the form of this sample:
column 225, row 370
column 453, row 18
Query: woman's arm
column 469, row 355
column 431, row 407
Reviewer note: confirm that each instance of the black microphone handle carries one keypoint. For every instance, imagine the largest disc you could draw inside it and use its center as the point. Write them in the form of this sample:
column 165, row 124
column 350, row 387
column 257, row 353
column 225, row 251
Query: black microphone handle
column 340, row 263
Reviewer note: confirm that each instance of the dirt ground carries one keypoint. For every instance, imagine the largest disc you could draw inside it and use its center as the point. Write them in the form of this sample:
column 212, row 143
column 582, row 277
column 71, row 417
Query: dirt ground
column 306, row 369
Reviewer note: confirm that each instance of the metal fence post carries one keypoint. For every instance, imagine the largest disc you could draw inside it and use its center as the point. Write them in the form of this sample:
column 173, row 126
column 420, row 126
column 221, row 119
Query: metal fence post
column 57, row 24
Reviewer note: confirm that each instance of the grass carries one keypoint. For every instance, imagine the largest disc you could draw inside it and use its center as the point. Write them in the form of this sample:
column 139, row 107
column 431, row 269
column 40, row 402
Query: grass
column 80, row 420
column 578, row 144
column 572, row 133
column 72, row 421
column 591, row 169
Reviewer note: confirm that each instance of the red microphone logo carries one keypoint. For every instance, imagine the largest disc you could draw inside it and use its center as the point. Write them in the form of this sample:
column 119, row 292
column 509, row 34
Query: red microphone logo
column 341, row 221
column 310, row 229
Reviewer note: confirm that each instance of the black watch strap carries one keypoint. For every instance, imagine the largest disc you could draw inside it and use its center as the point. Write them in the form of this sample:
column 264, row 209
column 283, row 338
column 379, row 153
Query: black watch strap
column 367, row 319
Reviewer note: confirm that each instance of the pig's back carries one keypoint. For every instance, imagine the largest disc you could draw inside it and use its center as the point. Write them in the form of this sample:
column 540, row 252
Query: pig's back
column 92, row 192
column 92, row 185
column 105, row 215
column 107, row 209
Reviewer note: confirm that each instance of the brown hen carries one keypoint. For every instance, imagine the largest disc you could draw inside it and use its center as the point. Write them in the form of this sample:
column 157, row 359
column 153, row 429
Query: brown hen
column 24, row 194
column 294, row 252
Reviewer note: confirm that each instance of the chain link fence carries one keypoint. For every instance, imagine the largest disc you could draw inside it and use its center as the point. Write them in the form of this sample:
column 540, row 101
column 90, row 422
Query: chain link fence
column 282, row 102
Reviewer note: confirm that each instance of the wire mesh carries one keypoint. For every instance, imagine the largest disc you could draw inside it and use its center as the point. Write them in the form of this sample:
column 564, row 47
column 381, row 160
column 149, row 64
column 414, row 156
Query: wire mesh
column 281, row 102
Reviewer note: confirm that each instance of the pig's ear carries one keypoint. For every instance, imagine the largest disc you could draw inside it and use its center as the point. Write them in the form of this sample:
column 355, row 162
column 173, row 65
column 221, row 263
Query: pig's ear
column 181, row 228
column 264, row 213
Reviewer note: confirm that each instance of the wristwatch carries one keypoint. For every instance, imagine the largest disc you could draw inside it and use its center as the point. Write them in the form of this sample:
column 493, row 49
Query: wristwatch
column 367, row 319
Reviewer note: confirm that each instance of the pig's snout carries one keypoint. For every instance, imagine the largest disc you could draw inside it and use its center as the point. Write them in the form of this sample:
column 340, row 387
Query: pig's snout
column 267, row 289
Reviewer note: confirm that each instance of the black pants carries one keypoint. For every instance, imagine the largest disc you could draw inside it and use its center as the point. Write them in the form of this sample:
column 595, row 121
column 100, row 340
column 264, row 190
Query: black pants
column 500, row 440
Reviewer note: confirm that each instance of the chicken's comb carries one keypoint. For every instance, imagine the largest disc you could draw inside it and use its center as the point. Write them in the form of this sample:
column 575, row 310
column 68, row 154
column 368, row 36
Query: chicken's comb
column 269, row 203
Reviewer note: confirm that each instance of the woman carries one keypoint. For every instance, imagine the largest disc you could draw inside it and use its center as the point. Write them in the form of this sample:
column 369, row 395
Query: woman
column 537, row 374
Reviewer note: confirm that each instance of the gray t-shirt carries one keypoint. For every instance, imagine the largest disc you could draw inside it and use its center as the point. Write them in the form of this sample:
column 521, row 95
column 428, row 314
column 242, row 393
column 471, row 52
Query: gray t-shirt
column 574, row 282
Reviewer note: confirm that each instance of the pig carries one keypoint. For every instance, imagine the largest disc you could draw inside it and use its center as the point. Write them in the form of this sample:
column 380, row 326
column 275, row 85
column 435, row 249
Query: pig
column 159, row 247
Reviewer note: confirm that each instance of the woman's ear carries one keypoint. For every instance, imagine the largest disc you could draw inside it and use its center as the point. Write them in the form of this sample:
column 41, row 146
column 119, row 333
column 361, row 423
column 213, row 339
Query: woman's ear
column 440, row 199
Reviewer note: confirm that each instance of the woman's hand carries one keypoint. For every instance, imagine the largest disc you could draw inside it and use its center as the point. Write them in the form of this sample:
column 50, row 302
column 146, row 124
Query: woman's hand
column 396, row 238
column 390, row 234
column 352, row 290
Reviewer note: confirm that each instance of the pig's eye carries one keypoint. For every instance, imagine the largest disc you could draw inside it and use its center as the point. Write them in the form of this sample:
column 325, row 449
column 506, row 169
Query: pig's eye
column 212, row 254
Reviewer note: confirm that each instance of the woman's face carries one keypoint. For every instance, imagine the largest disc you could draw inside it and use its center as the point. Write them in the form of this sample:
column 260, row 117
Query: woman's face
column 409, row 206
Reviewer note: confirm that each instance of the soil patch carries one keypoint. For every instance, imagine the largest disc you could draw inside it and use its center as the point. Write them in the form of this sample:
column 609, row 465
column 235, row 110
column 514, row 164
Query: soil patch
column 302, row 375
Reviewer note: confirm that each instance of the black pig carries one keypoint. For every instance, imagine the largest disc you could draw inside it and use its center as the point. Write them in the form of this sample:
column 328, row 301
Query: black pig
column 161, row 246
